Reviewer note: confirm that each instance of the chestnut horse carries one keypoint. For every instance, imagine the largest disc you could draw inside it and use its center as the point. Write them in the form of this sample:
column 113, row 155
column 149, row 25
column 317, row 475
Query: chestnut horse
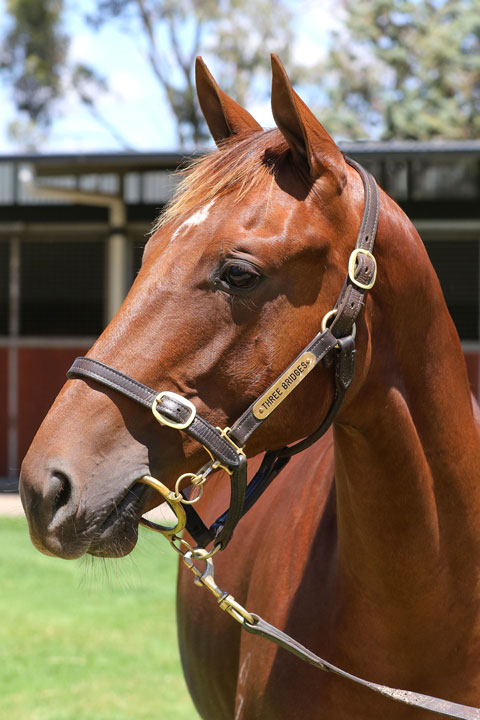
column 366, row 547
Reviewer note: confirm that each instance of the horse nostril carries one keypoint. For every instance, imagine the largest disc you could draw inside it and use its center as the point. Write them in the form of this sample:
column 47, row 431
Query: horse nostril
column 60, row 491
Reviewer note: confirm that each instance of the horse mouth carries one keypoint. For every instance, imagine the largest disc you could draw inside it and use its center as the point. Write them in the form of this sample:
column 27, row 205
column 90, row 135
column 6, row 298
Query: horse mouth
column 118, row 533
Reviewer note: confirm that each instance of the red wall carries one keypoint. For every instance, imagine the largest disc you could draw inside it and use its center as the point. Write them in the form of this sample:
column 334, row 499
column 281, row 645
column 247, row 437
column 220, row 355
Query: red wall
column 3, row 411
column 41, row 376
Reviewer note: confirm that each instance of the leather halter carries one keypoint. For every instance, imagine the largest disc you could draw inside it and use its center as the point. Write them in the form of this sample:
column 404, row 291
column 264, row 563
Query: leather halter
column 335, row 345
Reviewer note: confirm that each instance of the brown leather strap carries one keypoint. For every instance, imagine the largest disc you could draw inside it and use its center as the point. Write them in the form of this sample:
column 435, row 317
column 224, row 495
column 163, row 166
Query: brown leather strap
column 221, row 531
column 200, row 429
column 344, row 371
column 351, row 299
column 414, row 699
column 247, row 423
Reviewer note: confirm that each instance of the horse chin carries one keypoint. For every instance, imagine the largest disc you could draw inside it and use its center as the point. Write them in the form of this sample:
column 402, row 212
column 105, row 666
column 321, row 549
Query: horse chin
column 115, row 546
column 118, row 533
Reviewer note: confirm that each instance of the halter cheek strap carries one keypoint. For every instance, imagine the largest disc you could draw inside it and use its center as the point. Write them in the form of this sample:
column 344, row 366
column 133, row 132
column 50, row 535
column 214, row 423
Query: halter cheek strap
column 334, row 345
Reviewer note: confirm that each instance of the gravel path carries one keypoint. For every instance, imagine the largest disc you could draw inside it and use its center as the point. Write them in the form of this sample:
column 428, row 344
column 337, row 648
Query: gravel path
column 10, row 505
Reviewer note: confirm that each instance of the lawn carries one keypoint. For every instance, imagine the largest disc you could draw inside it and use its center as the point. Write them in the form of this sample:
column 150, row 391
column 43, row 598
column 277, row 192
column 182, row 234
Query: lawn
column 88, row 639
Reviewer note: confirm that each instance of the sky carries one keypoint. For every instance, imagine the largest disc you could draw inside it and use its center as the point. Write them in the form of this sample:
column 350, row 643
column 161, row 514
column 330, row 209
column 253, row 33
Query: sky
column 129, row 104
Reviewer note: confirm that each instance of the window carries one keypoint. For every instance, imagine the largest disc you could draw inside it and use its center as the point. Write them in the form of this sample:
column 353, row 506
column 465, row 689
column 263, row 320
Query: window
column 434, row 178
column 61, row 288
column 457, row 265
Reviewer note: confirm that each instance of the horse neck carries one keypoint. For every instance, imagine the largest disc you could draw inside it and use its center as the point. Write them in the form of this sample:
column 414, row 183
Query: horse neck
column 406, row 444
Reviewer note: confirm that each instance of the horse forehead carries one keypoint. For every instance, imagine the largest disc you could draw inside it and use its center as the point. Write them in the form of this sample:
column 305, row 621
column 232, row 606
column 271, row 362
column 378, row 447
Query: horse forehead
column 197, row 218
column 268, row 213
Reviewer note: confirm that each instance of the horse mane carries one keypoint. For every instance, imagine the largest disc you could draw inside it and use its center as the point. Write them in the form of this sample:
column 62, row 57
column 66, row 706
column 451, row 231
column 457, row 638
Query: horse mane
column 240, row 165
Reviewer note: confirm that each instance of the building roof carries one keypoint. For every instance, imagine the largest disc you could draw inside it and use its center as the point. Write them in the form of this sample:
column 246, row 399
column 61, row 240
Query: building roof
column 412, row 147
column 107, row 162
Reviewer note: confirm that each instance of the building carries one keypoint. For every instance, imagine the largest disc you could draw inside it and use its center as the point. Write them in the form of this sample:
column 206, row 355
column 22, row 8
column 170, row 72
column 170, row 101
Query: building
column 68, row 256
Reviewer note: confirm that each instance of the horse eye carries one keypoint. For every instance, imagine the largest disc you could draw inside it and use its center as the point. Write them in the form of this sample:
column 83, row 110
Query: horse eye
column 240, row 276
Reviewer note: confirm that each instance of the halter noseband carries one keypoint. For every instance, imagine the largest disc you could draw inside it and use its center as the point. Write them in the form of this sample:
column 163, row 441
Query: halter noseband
column 334, row 345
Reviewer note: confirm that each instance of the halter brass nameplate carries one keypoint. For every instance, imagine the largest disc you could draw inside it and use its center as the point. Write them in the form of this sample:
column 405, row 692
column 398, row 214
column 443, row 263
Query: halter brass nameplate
column 282, row 387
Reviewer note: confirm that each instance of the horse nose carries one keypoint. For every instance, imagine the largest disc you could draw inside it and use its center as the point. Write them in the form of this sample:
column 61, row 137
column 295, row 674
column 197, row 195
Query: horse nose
column 49, row 506
column 57, row 497
column 47, row 500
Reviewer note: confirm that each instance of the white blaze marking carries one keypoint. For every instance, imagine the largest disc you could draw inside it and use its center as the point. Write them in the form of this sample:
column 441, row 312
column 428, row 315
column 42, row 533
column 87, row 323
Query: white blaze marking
column 196, row 219
column 199, row 216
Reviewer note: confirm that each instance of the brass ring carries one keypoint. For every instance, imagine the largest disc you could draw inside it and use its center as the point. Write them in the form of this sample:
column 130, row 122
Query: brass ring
column 327, row 317
column 202, row 554
column 331, row 314
column 181, row 543
column 177, row 488
column 174, row 504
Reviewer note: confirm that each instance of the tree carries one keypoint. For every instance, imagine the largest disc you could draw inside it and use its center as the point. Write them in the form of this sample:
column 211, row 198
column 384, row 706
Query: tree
column 33, row 53
column 405, row 69
column 239, row 35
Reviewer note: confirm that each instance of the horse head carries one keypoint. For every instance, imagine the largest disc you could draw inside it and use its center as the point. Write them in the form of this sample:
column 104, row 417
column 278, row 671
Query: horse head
column 247, row 258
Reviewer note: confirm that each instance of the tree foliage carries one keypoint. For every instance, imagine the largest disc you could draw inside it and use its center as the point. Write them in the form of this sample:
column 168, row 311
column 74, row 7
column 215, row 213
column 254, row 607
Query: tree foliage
column 237, row 34
column 395, row 69
column 405, row 69
column 32, row 56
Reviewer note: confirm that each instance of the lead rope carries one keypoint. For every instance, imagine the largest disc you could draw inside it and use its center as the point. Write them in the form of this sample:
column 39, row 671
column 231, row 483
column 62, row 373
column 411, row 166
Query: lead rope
column 256, row 625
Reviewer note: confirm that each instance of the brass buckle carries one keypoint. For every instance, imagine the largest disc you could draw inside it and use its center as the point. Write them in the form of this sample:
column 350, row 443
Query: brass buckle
column 224, row 433
column 181, row 401
column 352, row 264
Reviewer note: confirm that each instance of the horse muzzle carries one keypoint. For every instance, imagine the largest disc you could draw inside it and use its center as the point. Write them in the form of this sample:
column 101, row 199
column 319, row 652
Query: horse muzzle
column 67, row 523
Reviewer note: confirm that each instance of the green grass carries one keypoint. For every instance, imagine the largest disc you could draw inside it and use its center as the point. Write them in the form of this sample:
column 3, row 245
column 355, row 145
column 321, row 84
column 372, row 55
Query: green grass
column 89, row 640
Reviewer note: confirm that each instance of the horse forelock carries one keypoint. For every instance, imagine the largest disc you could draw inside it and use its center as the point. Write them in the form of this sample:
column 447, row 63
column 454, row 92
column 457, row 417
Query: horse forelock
column 240, row 165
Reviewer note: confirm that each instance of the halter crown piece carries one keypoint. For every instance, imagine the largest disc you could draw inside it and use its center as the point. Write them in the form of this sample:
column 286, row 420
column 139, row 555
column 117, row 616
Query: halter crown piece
column 335, row 346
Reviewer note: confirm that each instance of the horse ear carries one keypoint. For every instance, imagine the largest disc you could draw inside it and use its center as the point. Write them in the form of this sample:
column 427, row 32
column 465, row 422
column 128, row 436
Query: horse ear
column 301, row 129
column 224, row 116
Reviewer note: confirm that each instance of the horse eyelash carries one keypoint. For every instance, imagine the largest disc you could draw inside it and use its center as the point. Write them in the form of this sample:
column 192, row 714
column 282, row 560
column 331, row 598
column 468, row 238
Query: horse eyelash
column 247, row 302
